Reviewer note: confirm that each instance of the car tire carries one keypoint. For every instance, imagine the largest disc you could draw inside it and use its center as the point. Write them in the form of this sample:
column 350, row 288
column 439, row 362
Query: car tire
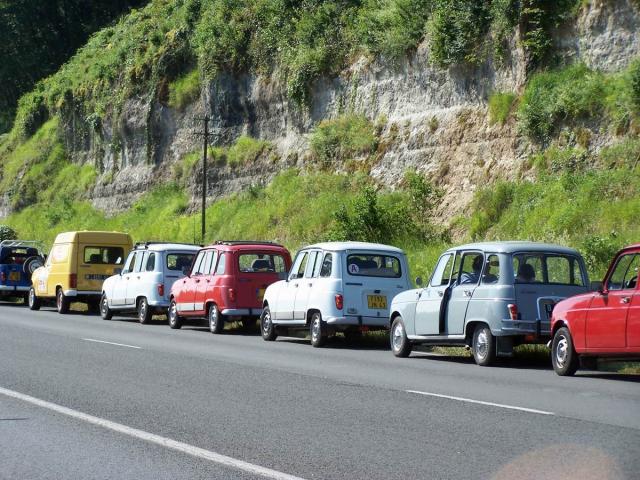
column 105, row 311
column 400, row 344
column 144, row 311
column 564, row 358
column 31, row 263
column 317, row 330
column 267, row 328
column 216, row 322
column 62, row 302
column 484, row 346
column 33, row 301
column 175, row 321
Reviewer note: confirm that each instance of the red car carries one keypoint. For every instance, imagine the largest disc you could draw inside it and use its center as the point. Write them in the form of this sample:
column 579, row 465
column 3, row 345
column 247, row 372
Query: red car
column 603, row 323
column 227, row 281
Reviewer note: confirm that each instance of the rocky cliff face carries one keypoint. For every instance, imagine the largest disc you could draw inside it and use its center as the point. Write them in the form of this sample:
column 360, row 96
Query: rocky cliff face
column 433, row 120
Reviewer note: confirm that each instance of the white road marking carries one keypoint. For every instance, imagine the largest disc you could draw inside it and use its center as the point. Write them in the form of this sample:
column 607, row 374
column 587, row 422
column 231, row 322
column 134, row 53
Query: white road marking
column 110, row 343
column 150, row 437
column 491, row 404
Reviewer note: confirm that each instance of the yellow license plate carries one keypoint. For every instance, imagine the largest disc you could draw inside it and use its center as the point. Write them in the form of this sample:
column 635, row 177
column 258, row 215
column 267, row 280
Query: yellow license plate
column 14, row 276
column 261, row 293
column 377, row 301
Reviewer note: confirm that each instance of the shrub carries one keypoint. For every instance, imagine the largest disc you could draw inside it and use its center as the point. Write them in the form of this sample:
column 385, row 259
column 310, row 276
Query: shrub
column 7, row 233
column 185, row 90
column 500, row 107
column 634, row 73
column 343, row 138
column 245, row 150
column 488, row 206
column 599, row 250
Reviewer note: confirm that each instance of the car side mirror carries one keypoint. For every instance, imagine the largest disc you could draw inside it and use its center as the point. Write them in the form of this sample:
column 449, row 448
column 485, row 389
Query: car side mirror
column 597, row 287
column 419, row 281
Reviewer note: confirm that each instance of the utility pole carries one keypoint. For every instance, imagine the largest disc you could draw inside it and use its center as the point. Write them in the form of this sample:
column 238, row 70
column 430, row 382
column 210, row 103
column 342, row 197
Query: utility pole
column 204, row 174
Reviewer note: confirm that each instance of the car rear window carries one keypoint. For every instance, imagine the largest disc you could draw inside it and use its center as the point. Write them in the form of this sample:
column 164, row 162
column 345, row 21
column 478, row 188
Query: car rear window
column 17, row 255
column 261, row 263
column 374, row 265
column 557, row 269
column 178, row 261
column 103, row 255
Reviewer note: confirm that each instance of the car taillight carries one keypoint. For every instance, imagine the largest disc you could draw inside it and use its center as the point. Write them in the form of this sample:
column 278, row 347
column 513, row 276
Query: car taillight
column 161, row 289
column 73, row 280
column 513, row 311
column 3, row 277
column 339, row 301
column 232, row 295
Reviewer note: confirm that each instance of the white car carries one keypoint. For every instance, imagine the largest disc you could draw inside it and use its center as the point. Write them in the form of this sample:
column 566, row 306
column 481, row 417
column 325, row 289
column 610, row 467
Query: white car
column 144, row 284
column 335, row 286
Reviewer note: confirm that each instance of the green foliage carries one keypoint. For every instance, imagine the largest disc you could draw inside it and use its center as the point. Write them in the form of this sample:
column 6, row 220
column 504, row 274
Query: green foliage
column 488, row 206
column 576, row 93
column 184, row 90
column 245, row 150
column 500, row 107
column 634, row 81
column 343, row 138
column 598, row 251
column 7, row 233
column 455, row 30
column 625, row 153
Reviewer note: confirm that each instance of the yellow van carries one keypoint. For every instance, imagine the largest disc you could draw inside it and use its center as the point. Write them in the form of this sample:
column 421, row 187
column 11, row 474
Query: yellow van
column 76, row 267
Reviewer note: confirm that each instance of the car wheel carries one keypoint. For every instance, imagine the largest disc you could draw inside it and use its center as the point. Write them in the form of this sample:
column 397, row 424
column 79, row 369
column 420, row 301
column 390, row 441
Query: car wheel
column 400, row 344
column 105, row 311
column 31, row 263
column 484, row 346
column 563, row 356
column 318, row 330
column 267, row 328
column 216, row 322
column 33, row 300
column 174, row 319
column 144, row 312
column 62, row 302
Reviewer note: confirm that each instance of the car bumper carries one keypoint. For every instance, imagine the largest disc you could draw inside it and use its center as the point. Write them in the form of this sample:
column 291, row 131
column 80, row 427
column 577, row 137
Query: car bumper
column 82, row 293
column 242, row 312
column 358, row 320
column 538, row 328
column 13, row 288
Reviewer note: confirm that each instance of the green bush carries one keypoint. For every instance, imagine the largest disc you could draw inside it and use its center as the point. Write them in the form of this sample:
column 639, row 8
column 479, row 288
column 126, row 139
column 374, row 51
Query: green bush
column 185, row 90
column 488, row 206
column 245, row 150
column 7, row 233
column 500, row 107
column 343, row 138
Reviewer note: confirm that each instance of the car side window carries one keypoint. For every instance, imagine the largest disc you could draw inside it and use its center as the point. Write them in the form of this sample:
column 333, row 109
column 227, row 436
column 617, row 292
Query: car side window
column 211, row 264
column 202, row 268
column 139, row 261
column 472, row 263
column 314, row 257
column 128, row 266
column 222, row 264
column 622, row 273
column 196, row 264
column 442, row 273
column 299, row 265
column 491, row 272
column 151, row 262
column 327, row 265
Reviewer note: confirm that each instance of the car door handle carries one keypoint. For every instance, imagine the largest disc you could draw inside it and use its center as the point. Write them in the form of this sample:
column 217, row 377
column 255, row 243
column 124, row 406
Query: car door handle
column 198, row 281
column 440, row 293
column 310, row 284
column 625, row 299
column 295, row 285
column 467, row 293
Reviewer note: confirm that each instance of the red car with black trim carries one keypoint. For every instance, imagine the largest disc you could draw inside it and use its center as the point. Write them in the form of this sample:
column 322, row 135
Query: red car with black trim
column 601, row 323
column 226, row 282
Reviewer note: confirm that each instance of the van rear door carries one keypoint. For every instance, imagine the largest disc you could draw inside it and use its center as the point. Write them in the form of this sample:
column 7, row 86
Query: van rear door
column 257, row 269
column 96, row 263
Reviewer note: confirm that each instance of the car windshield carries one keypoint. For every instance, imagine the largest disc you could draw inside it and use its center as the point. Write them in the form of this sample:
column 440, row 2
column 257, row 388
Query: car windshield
column 549, row 268
column 261, row 263
column 373, row 265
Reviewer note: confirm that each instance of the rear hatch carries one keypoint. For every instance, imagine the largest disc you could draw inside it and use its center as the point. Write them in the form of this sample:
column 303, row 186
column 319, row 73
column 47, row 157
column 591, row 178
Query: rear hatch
column 174, row 265
column 96, row 263
column 257, row 269
column 536, row 301
column 371, row 280
column 12, row 266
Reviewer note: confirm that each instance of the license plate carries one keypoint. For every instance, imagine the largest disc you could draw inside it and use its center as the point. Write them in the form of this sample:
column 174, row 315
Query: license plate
column 260, row 293
column 377, row 301
column 14, row 276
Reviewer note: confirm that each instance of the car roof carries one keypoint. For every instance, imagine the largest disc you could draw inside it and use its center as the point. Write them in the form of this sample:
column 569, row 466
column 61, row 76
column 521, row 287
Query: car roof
column 234, row 245
column 633, row 246
column 340, row 246
column 513, row 246
column 162, row 246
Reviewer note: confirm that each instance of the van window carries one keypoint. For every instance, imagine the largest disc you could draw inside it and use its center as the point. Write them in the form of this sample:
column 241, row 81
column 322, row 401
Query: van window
column 151, row 262
column 327, row 265
column 373, row 265
column 103, row 255
column 179, row 261
column 261, row 263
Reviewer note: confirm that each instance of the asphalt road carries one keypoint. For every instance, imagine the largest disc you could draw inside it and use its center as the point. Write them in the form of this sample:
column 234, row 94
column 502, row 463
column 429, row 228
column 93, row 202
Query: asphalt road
column 188, row 404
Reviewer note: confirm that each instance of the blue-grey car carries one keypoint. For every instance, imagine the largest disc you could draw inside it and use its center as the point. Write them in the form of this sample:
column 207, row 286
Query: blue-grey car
column 488, row 297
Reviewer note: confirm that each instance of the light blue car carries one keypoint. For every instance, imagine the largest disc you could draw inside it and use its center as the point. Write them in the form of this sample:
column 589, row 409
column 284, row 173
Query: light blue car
column 488, row 297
